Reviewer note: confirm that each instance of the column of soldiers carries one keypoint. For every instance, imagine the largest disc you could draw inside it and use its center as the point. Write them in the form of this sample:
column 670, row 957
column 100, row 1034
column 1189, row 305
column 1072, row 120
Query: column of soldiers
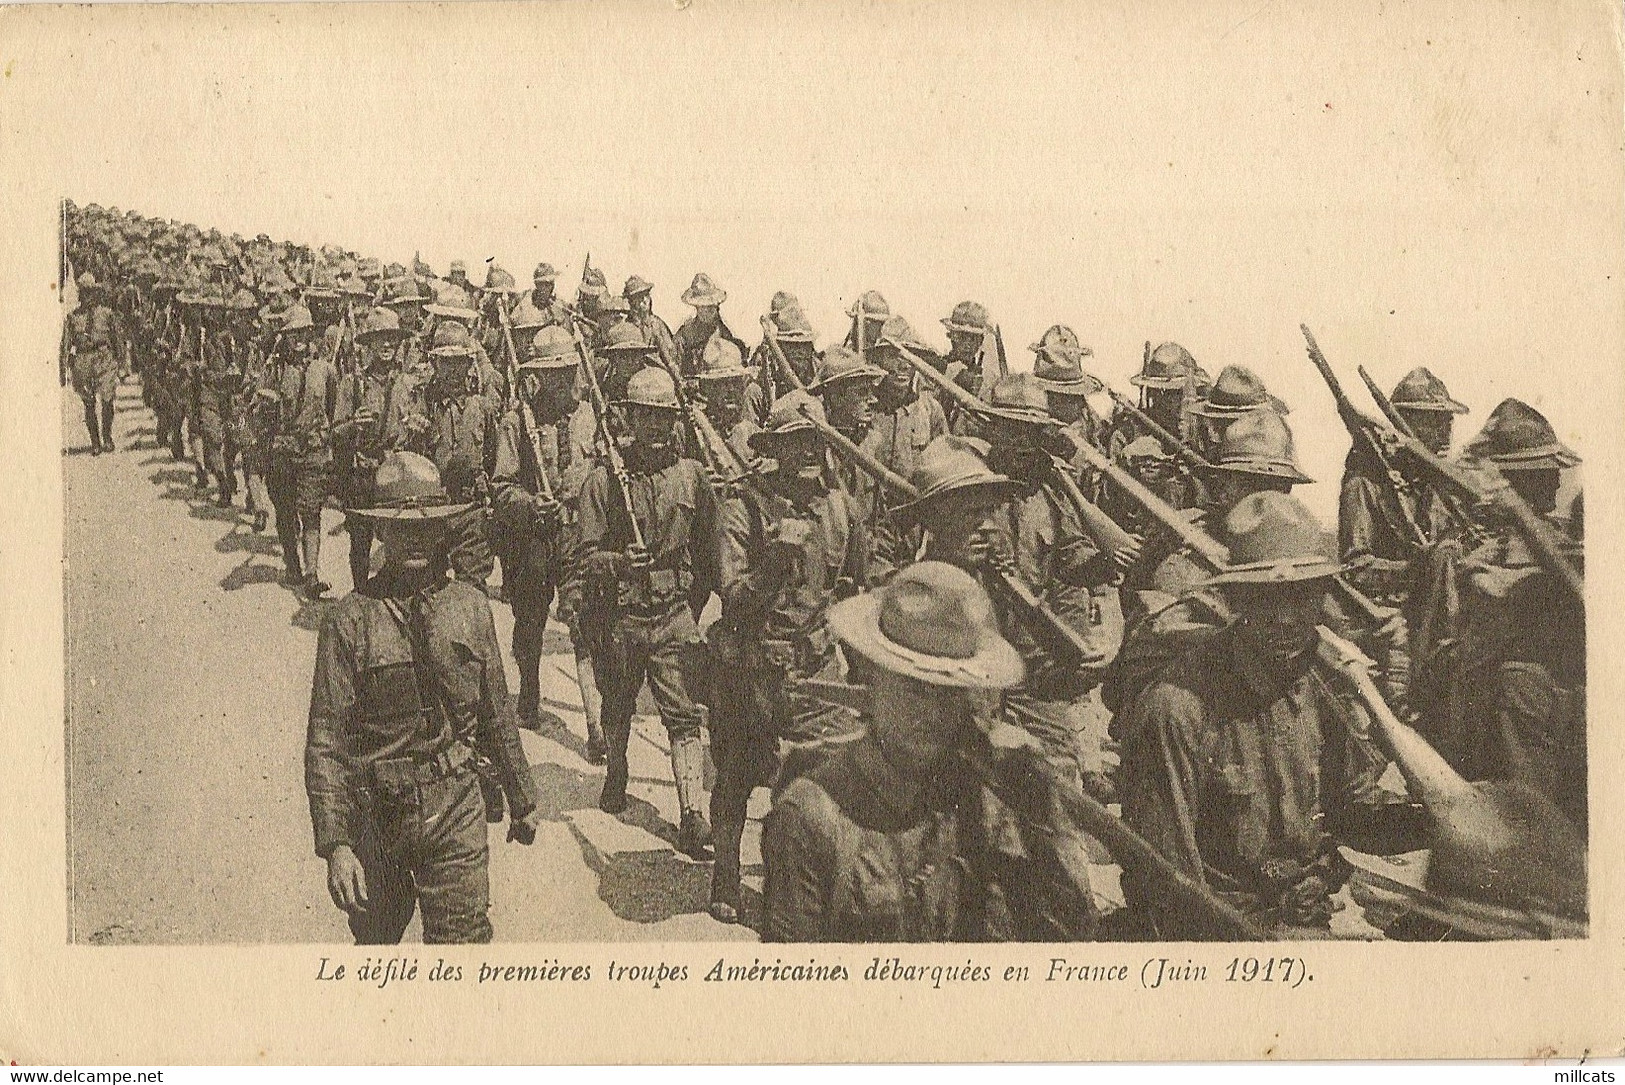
column 877, row 578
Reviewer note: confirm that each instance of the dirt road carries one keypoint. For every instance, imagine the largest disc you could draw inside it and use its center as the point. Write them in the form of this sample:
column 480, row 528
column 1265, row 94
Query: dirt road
column 188, row 683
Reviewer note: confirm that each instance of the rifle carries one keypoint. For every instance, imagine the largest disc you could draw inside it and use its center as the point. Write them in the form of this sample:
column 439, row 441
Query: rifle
column 985, row 392
column 1452, row 500
column 600, row 409
column 1128, row 847
column 1484, row 484
column 770, row 335
column 506, row 320
column 1068, row 647
column 1362, row 433
column 708, row 436
column 529, row 420
column 1188, row 455
column 1106, row 532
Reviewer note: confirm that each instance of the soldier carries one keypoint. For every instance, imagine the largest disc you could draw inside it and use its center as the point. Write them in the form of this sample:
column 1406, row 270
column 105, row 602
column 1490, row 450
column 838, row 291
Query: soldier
column 791, row 546
column 964, row 364
column 1225, row 769
column 454, row 308
column 905, row 421
column 1237, row 393
column 637, row 596
column 1516, row 686
column 408, row 690
column 368, row 423
column 163, row 374
column 1058, row 370
column 1372, row 534
column 722, row 386
column 796, row 342
column 543, row 282
column 591, row 292
column 228, row 361
column 535, row 500
column 402, row 297
column 1163, row 379
column 896, row 836
column 868, row 314
column 706, row 298
column 90, row 352
column 302, row 451
column 454, row 425
column 845, row 384
column 623, row 353
column 639, row 294
column 458, row 277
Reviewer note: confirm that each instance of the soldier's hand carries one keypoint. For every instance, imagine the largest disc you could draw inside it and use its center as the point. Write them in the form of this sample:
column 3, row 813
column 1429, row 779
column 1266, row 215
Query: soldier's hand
column 639, row 557
column 346, row 881
column 523, row 830
column 1129, row 552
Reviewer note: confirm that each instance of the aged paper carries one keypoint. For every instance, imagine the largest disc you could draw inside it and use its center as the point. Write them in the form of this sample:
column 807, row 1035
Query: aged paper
column 1436, row 184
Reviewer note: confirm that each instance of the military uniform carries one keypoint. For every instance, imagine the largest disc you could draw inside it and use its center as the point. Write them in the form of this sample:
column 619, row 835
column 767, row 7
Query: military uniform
column 408, row 685
column 90, row 344
column 302, row 453
column 644, row 627
column 369, row 421
column 694, row 333
column 773, row 631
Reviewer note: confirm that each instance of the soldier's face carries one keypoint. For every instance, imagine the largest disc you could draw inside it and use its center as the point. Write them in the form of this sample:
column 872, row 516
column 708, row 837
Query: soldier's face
column 1227, row 488
column 850, row 404
column 800, row 453
column 639, row 303
column 724, row 397
column 551, row 392
column 1277, row 621
column 1433, row 428
column 411, row 544
column 963, row 346
column 651, row 426
column 917, row 724
column 1537, row 488
column 954, row 521
column 542, row 291
column 411, row 317
column 801, row 356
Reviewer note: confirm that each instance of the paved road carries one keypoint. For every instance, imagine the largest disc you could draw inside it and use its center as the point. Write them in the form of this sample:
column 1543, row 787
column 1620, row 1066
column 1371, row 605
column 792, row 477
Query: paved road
column 188, row 682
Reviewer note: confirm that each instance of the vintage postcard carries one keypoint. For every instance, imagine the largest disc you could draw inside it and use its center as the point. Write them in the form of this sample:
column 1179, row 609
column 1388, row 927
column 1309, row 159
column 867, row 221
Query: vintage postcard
column 714, row 532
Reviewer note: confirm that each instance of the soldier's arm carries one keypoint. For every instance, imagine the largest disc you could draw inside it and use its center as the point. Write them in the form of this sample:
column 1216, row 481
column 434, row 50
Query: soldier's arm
column 704, row 539
column 1359, row 531
column 799, row 854
column 856, row 569
column 329, row 768
column 749, row 585
column 1160, row 735
column 1079, row 560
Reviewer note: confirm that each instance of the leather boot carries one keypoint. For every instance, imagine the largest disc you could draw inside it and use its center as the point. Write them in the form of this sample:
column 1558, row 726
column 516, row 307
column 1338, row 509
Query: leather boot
column 107, row 426
column 495, row 806
column 92, row 425
column 310, row 545
column 728, row 808
column 688, row 769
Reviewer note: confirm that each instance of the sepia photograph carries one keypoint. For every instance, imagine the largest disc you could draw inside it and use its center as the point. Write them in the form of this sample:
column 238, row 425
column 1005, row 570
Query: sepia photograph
column 631, row 475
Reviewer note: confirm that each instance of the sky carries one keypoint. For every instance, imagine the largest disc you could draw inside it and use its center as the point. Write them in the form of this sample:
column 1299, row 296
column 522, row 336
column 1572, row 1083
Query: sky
column 1422, row 184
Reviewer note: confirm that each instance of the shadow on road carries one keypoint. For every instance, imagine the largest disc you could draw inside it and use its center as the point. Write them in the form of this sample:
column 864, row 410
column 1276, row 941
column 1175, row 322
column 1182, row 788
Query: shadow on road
column 651, row 887
column 237, row 542
column 249, row 573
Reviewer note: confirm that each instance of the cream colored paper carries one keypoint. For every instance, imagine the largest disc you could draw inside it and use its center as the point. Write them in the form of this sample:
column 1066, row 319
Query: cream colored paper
column 1431, row 183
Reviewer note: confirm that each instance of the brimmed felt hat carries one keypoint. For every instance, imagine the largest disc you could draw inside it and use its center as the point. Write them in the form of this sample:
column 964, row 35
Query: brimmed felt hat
column 781, row 300
column 456, row 266
column 635, row 285
column 1058, row 363
column 872, row 304
column 452, row 341
column 552, row 348
column 498, row 281
column 721, row 360
column 625, row 338
column 702, row 291
column 898, row 333
column 1018, row 397
column 1145, row 448
column 1518, row 438
column 451, row 301
column 402, row 291
column 379, row 323
column 323, row 286
column 1166, row 367
column 592, row 283
column 544, row 273
column 933, row 622
column 952, row 465
column 614, row 303
column 787, row 415
column 1274, row 540
column 790, row 324
column 1237, row 391
column 1259, row 443
column 408, row 487
column 969, row 317
column 296, row 318
column 842, row 364
column 1420, row 390
column 651, row 387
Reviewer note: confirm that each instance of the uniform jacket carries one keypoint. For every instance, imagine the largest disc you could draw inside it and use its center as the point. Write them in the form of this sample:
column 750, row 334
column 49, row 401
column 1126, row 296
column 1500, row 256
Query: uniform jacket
column 677, row 514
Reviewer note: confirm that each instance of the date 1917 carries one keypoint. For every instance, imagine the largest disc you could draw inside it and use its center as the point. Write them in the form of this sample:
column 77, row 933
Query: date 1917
column 1292, row 971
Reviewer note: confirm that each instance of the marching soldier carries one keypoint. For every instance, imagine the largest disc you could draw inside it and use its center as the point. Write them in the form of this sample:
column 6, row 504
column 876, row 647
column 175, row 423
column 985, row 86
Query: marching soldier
column 898, row 836
column 706, row 298
column 639, row 294
column 543, row 282
column 964, row 364
column 722, row 385
column 1058, row 369
column 371, row 408
column 868, row 314
column 1372, row 534
column 624, row 353
column 791, row 546
column 302, row 451
column 905, row 421
column 454, row 425
column 637, row 596
column 1237, row 393
column 227, row 364
column 542, row 459
column 408, row 690
column 90, row 341
column 845, row 384
column 796, row 342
